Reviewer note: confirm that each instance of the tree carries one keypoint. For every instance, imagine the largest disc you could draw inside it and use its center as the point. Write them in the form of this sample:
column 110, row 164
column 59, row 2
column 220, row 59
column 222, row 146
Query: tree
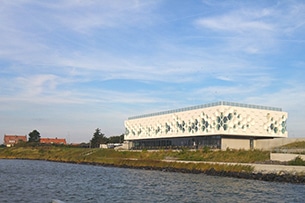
column 98, row 138
column 34, row 136
column 122, row 138
column 116, row 139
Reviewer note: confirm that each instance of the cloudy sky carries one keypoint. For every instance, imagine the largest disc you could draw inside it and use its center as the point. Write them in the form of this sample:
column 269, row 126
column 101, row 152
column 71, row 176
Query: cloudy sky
column 71, row 66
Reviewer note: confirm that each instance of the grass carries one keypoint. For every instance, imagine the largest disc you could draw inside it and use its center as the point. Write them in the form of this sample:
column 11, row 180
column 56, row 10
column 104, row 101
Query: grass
column 140, row 159
column 238, row 156
column 298, row 161
column 295, row 145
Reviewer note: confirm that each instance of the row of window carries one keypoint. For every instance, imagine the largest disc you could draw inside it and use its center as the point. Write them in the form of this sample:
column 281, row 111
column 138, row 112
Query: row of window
column 176, row 143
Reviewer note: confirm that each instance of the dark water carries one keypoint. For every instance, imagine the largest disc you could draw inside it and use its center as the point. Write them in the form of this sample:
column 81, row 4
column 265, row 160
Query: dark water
column 41, row 181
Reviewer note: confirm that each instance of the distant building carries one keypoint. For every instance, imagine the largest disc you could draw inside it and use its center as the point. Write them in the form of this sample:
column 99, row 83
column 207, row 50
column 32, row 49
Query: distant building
column 53, row 141
column 219, row 125
column 11, row 140
column 110, row 145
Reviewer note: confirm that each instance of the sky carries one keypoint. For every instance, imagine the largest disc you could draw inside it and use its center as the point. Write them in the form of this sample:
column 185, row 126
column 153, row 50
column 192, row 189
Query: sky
column 71, row 66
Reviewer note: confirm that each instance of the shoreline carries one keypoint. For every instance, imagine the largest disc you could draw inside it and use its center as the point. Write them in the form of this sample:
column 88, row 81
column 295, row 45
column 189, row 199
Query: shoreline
column 280, row 176
column 283, row 176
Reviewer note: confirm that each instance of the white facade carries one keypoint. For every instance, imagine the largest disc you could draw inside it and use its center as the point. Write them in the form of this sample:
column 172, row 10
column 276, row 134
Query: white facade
column 226, row 121
column 219, row 118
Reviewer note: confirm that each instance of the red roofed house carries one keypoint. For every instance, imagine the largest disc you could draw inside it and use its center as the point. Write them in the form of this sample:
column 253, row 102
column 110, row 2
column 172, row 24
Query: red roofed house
column 53, row 141
column 11, row 140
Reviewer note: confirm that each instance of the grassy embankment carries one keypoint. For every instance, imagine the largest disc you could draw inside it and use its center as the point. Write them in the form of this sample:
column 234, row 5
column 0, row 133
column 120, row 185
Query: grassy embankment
column 298, row 161
column 143, row 159
column 294, row 145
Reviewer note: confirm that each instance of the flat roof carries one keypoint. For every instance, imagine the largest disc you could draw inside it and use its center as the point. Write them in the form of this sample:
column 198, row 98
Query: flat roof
column 220, row 103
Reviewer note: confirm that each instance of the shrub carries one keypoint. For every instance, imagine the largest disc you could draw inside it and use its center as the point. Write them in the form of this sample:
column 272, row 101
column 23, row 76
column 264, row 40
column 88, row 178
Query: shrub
column 298, row 161
column 206, row 149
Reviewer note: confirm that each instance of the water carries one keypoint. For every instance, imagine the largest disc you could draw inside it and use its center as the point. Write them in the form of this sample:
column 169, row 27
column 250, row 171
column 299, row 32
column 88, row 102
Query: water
column 42, row 181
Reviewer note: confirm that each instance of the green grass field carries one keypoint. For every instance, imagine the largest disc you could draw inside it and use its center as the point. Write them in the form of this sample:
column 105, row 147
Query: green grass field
column 140, row 158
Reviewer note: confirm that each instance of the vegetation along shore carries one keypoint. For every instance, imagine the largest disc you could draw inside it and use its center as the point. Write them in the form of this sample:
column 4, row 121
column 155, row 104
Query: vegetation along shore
column 200, row 161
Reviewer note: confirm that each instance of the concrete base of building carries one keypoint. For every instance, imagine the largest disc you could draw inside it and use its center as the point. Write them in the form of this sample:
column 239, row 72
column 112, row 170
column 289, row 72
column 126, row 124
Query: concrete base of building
column 224, row 143
column 285, row 157
column 270, row 144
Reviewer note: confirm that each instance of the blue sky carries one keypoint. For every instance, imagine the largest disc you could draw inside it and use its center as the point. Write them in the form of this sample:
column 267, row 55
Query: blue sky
column 69, row 67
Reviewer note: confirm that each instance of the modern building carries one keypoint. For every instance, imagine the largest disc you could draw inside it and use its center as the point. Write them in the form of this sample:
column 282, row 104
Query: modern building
column 11, row 140
column 219, row 125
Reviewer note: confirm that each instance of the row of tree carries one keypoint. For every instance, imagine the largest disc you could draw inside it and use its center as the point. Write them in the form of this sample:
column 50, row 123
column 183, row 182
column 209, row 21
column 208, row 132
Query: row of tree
column 100, row 138
column 97, row 139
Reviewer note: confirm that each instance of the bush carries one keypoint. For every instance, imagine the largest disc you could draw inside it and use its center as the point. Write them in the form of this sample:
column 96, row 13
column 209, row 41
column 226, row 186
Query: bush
column 298, row 161
column 206, row 149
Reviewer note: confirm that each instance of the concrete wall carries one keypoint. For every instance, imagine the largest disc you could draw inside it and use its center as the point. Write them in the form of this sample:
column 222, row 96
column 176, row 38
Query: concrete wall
column 235, row 144
column 269, row 144
column 265, row 144
column 284, row 157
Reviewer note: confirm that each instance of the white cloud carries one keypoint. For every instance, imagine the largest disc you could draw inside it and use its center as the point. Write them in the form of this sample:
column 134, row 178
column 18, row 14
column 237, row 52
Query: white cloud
column 255, row 30
column 83, row 16
column 293, row 18
column 38, row 32
column 240, row 21
column 37, row 84
column 224, row 78
column 235, row 23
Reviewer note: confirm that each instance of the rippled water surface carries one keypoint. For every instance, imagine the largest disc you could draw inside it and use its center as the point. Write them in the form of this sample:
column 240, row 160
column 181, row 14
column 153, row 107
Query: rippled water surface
column 42, row 181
